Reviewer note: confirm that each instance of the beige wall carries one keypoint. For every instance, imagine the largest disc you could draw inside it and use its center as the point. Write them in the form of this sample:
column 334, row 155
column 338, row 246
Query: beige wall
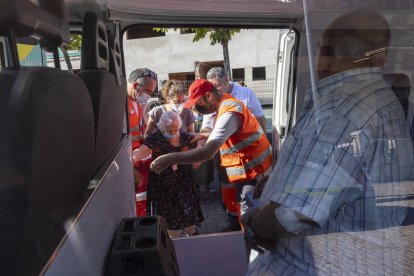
column 175, row 53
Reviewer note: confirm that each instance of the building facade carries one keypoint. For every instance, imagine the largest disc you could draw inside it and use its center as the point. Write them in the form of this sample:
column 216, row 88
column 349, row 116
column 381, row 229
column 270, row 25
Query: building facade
column 253, row 56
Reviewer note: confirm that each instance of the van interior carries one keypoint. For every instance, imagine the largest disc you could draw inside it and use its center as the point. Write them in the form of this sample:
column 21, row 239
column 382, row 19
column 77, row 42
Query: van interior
column 66, row 165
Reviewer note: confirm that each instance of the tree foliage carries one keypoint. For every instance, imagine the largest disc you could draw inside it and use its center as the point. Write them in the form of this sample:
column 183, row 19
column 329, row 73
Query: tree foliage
column 75, row 42
column 216, row 35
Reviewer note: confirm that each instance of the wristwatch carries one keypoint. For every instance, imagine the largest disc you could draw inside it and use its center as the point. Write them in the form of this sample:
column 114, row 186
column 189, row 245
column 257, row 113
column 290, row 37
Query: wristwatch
column 250, row 238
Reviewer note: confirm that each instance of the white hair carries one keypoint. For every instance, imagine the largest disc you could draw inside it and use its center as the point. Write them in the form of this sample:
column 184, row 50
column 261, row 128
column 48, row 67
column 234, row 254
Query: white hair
column 167, row 119
column 217, row 72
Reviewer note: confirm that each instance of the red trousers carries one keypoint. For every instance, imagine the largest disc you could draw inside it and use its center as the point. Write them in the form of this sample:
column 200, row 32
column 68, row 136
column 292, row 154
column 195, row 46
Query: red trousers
column 141, row 203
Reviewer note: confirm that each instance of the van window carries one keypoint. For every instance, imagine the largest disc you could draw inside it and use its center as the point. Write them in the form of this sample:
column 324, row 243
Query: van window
column 259, row 73
column 176, row 56
column 73, row 51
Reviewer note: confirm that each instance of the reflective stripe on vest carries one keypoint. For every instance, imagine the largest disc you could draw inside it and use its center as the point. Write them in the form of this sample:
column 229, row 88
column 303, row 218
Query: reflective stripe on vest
column 247, row 152
column 241, row 171
column 136, row 123
column 238, row 107
column 134, row 129
column 239, row 146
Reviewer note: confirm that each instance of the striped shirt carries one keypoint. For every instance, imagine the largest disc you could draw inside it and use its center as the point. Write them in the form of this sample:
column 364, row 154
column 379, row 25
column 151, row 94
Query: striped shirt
column 350, row 136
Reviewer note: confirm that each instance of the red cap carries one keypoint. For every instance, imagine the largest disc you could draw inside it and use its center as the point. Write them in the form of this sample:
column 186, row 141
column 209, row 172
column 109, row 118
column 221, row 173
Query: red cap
column 197, row 89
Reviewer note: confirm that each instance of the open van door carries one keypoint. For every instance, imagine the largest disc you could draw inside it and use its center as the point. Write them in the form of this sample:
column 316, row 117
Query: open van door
column 283, row 101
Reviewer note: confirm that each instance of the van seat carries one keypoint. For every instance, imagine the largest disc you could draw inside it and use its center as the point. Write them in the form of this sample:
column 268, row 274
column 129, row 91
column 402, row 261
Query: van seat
column 107, row 93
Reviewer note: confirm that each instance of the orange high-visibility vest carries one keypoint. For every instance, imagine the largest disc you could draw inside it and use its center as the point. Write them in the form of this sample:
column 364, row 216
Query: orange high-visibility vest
column 247, row 152
column 244, row 155
column 136, row 123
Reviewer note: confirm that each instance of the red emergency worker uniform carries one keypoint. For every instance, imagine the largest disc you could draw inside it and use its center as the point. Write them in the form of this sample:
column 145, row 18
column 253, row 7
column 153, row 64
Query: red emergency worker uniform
column 137, row 128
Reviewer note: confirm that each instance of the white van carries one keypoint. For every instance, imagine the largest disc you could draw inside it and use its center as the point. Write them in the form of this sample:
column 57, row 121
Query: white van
column 66, row 157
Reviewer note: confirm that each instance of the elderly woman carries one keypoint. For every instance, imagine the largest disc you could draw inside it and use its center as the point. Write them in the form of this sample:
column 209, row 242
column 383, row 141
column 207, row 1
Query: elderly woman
column 171, row 193
column 175, row 95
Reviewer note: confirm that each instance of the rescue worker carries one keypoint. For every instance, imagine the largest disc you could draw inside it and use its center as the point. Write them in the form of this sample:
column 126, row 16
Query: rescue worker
column 220, row 79
column 245, row 151
column 147, row 81
column 139, row 81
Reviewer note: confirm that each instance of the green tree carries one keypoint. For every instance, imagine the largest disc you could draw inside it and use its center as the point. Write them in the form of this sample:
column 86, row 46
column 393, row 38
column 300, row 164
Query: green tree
column 75, row 42
column 217, row 36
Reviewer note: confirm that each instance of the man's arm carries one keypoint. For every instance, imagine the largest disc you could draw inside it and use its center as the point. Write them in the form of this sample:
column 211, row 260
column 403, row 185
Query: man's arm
column 190, row 128
column 140, row 153
column 188, row 157
column 263, row 227
column 151, row 126
column 256, row 108
column 265, row 224
column 225, row 126
column 253, row 104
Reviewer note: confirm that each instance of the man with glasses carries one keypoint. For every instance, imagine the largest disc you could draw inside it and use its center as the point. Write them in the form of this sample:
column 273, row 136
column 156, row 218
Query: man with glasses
column 141, row 83
column 220, row 79
column 147, row 82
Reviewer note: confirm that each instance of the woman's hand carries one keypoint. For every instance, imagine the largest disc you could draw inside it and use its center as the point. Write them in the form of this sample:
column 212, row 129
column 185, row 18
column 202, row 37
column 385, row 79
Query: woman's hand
column 161, row 163
column 199, row 136
column 140, row 153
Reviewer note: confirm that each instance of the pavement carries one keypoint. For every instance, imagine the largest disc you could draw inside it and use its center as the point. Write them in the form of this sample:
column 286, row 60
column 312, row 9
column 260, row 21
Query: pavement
column 215, row 215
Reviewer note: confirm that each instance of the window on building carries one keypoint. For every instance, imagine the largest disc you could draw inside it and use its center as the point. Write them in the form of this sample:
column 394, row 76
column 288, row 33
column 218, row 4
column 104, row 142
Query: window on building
column 238, row 74
column 259, row 73
column 186, row 31
column 142, row 32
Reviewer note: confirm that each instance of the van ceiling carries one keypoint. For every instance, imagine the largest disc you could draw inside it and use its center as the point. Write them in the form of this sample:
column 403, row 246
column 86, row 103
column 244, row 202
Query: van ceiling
column 221, row 12
column 214, row 12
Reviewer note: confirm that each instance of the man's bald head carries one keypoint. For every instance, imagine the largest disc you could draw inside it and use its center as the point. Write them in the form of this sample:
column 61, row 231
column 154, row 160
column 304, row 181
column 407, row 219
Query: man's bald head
column 347, row 40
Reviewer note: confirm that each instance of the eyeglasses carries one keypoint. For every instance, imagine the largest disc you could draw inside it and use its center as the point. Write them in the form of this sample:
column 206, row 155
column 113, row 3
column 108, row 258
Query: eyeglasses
column 150, row 74
column 369, row 54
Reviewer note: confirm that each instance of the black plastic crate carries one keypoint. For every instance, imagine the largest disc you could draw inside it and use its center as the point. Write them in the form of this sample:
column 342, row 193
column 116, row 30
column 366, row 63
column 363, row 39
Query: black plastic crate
column 142, row 246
